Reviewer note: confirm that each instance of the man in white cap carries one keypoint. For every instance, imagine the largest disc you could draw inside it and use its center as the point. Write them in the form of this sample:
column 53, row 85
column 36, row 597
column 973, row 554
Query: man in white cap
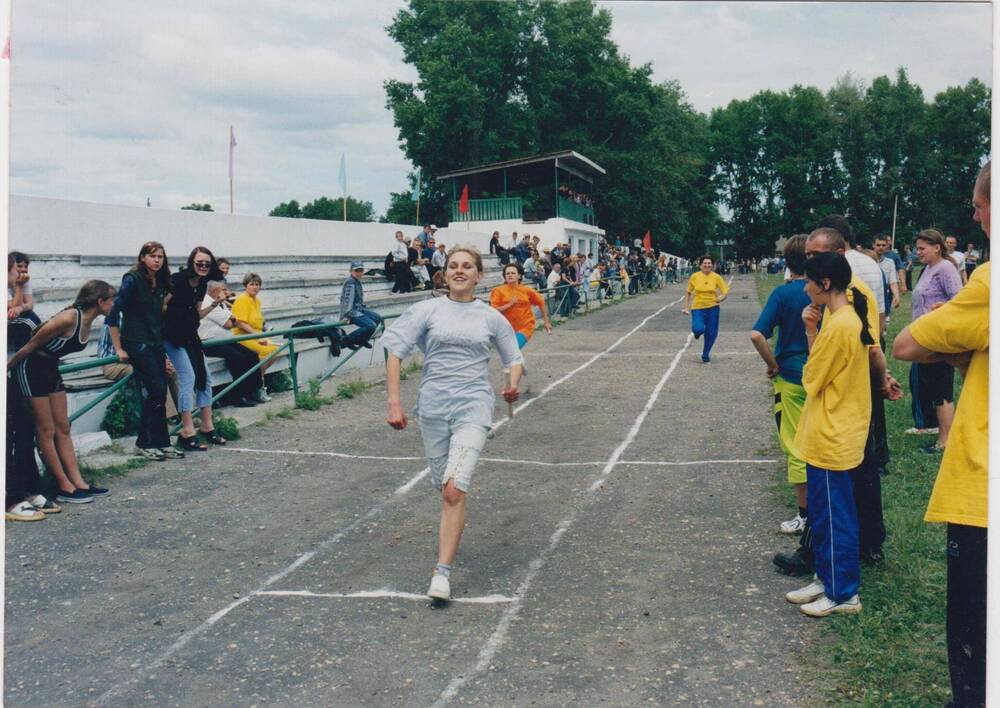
column 352, row 309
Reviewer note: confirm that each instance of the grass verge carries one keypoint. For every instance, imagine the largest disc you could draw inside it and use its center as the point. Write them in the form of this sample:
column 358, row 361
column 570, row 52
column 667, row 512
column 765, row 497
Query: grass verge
column 893, row 653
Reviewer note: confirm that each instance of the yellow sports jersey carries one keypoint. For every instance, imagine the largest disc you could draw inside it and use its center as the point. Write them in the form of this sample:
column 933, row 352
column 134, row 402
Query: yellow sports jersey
column 704, row 287
column 963, row 325
column 834, row 423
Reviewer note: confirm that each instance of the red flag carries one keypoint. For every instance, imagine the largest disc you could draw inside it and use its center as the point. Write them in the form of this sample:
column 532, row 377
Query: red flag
column 463, row 202
column 647, row 242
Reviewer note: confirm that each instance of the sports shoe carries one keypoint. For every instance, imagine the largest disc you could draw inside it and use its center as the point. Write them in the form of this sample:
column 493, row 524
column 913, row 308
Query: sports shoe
column 440, row 588
column 934, row 449
column 824, row 607
column 261, row 395
column 170, row 453
column 77, row 496
column 794, row 563
column 95, row 491
column 46, row 506
column 809, row 593
column 148, row 453
column 796, row 525
column 920, row 431
column 23, row 511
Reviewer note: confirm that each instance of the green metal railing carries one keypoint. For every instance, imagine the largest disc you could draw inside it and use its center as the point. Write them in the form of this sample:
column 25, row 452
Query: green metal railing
column 569, row 209
column 489, row 209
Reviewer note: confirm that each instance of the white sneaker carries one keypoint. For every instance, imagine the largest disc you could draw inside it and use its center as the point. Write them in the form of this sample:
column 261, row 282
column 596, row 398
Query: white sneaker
column 809, row 593
column 24, row 511
column 920, row 431
column 440, row 588
column 796, row 525
column 824, row 606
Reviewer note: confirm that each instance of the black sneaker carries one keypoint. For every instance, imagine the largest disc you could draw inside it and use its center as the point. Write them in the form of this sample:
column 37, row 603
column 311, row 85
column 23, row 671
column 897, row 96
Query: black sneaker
column 872, row 556
column 78, row 496
column 96, row 491
column 793, row 563
column 245, row 403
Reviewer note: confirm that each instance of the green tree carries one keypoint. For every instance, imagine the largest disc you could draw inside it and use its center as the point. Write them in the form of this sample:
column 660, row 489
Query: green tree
column 197, row 207
column 327, row 209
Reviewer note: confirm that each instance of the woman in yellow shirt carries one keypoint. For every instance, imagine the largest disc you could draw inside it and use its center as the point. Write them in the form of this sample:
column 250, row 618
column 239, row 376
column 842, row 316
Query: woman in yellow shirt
column 249, row 319
column 832, row 432
column 709, row 290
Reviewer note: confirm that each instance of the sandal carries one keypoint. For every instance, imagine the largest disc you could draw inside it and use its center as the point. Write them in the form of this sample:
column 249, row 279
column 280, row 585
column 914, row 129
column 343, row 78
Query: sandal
column 190, row 443
column 213, row 437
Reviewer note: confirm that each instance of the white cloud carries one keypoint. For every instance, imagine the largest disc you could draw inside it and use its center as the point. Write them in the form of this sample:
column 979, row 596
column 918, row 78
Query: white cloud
column 119, row 100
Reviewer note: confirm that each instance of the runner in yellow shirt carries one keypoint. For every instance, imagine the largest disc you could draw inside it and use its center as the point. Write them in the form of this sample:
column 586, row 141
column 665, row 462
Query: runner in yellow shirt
column 708, row 290
column 958, row 332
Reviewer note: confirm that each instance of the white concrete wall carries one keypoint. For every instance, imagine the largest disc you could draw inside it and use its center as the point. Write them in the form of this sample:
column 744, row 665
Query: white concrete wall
column 56, row 226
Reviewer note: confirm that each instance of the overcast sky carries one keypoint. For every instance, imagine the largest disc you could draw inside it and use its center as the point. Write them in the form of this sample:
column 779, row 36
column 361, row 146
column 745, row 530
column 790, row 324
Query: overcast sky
column 117, row 101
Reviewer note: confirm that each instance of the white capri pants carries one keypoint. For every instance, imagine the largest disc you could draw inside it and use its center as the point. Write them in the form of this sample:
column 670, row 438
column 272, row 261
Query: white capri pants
column 452, row 449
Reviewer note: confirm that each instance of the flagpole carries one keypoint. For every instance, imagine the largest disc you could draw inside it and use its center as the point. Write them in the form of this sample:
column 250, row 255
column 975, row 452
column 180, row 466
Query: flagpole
column 231, row 141
column 895, row 205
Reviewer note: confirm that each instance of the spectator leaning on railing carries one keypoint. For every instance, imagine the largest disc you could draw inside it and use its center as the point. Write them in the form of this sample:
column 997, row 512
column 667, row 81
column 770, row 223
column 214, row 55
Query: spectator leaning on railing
column 217, row 324
column 352, row 309
column 117, row 370
column 184, row 310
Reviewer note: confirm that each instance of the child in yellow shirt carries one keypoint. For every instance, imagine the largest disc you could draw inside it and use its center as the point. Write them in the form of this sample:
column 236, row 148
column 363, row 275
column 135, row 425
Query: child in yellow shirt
column 832, row 432
column 709, row 290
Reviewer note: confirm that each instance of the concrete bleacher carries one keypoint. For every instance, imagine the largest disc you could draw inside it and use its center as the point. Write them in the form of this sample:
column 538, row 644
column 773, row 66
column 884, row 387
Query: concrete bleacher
column 294, row 288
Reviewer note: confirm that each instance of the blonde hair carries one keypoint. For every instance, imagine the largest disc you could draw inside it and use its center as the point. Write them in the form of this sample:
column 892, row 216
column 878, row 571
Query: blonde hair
column 933, row 237
column 477, row 257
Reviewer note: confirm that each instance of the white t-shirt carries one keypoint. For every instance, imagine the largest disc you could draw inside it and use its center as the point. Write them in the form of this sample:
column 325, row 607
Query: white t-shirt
column 869, row 273
column 212, row 325
column 400, row 252
column 889, row 268
column 554, row 279
column 959, row 259
column 456, row 339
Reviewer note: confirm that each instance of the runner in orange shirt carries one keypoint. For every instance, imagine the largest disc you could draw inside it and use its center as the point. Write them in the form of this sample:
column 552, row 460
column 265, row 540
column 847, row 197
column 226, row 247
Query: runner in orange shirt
column 514, row 301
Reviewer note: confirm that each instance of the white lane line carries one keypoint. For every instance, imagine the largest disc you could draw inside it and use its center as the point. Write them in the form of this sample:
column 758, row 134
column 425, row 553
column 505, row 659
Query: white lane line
column 305, row 557
column 342, row 455
column 492, row 644
column 392, row 594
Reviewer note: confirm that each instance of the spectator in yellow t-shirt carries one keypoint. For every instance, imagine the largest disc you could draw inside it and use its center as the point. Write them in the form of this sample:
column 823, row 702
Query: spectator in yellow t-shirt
column 958, row 332
column 250, row 320
column 709, row 290
column 832, row 432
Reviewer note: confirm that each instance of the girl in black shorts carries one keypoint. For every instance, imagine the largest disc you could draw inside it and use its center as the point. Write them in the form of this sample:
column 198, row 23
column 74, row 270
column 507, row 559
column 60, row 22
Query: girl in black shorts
column 36, row 371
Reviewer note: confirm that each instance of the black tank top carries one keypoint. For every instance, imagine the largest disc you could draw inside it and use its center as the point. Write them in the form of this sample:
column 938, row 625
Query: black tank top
column 61, row 346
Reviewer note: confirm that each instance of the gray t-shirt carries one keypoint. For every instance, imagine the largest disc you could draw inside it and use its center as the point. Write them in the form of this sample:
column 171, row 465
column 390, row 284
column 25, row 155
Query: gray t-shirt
column 455, row 338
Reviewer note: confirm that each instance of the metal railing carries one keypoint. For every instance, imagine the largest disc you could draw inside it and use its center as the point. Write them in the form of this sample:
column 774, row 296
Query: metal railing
column 568, row 209
column 489, row 209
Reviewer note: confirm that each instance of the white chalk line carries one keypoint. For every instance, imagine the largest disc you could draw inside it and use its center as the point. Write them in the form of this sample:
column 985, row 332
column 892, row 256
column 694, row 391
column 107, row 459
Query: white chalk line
column 492, row 644
column 391, row 594
column 507, row 461
column 305, row 557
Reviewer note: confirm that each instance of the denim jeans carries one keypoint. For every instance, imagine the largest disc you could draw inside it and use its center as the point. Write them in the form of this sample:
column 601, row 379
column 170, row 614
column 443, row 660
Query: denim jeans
column 366, row 324
column 706, row 321
column 149, row 364
column 189, row 398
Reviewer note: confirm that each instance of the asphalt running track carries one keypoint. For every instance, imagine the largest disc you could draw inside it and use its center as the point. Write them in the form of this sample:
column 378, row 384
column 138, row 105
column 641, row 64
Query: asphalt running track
column 617, row 550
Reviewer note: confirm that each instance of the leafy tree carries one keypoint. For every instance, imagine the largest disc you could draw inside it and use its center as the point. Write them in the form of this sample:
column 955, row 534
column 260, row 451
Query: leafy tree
column 198, row 207
column 327, row 209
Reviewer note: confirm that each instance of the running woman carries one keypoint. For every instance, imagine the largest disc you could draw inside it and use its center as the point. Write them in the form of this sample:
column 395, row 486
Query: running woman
column 36, row 370
column 709, row 290
column 455, row 401
column 515, row 301
column 832, row 432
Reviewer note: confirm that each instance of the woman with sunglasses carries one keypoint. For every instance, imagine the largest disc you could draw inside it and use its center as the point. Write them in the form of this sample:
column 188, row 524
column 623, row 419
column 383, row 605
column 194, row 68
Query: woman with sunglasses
column 180, row 339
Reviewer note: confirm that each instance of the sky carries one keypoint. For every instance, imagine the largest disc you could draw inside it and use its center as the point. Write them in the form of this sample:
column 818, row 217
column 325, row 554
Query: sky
column 118, row 101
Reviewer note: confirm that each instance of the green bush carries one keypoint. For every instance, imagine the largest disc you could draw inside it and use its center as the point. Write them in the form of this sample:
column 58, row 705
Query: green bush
column 227, row 427
column 121, row 417
column 279, row 381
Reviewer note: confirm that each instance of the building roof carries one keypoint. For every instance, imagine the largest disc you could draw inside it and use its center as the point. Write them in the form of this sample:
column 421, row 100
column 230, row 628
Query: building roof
column 569, row 158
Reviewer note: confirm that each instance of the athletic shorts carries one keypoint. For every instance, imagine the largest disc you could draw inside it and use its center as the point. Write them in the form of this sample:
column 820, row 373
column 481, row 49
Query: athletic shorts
column 38, row 376
column 937, row 382
column 452, row 449
column 789, row 400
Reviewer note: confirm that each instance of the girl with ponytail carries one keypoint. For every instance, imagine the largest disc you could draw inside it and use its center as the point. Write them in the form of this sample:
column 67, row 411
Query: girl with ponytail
column 832, row 432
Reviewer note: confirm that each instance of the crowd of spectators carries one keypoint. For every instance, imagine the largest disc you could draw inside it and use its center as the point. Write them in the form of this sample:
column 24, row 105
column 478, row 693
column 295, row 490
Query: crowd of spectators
column 576, row 197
